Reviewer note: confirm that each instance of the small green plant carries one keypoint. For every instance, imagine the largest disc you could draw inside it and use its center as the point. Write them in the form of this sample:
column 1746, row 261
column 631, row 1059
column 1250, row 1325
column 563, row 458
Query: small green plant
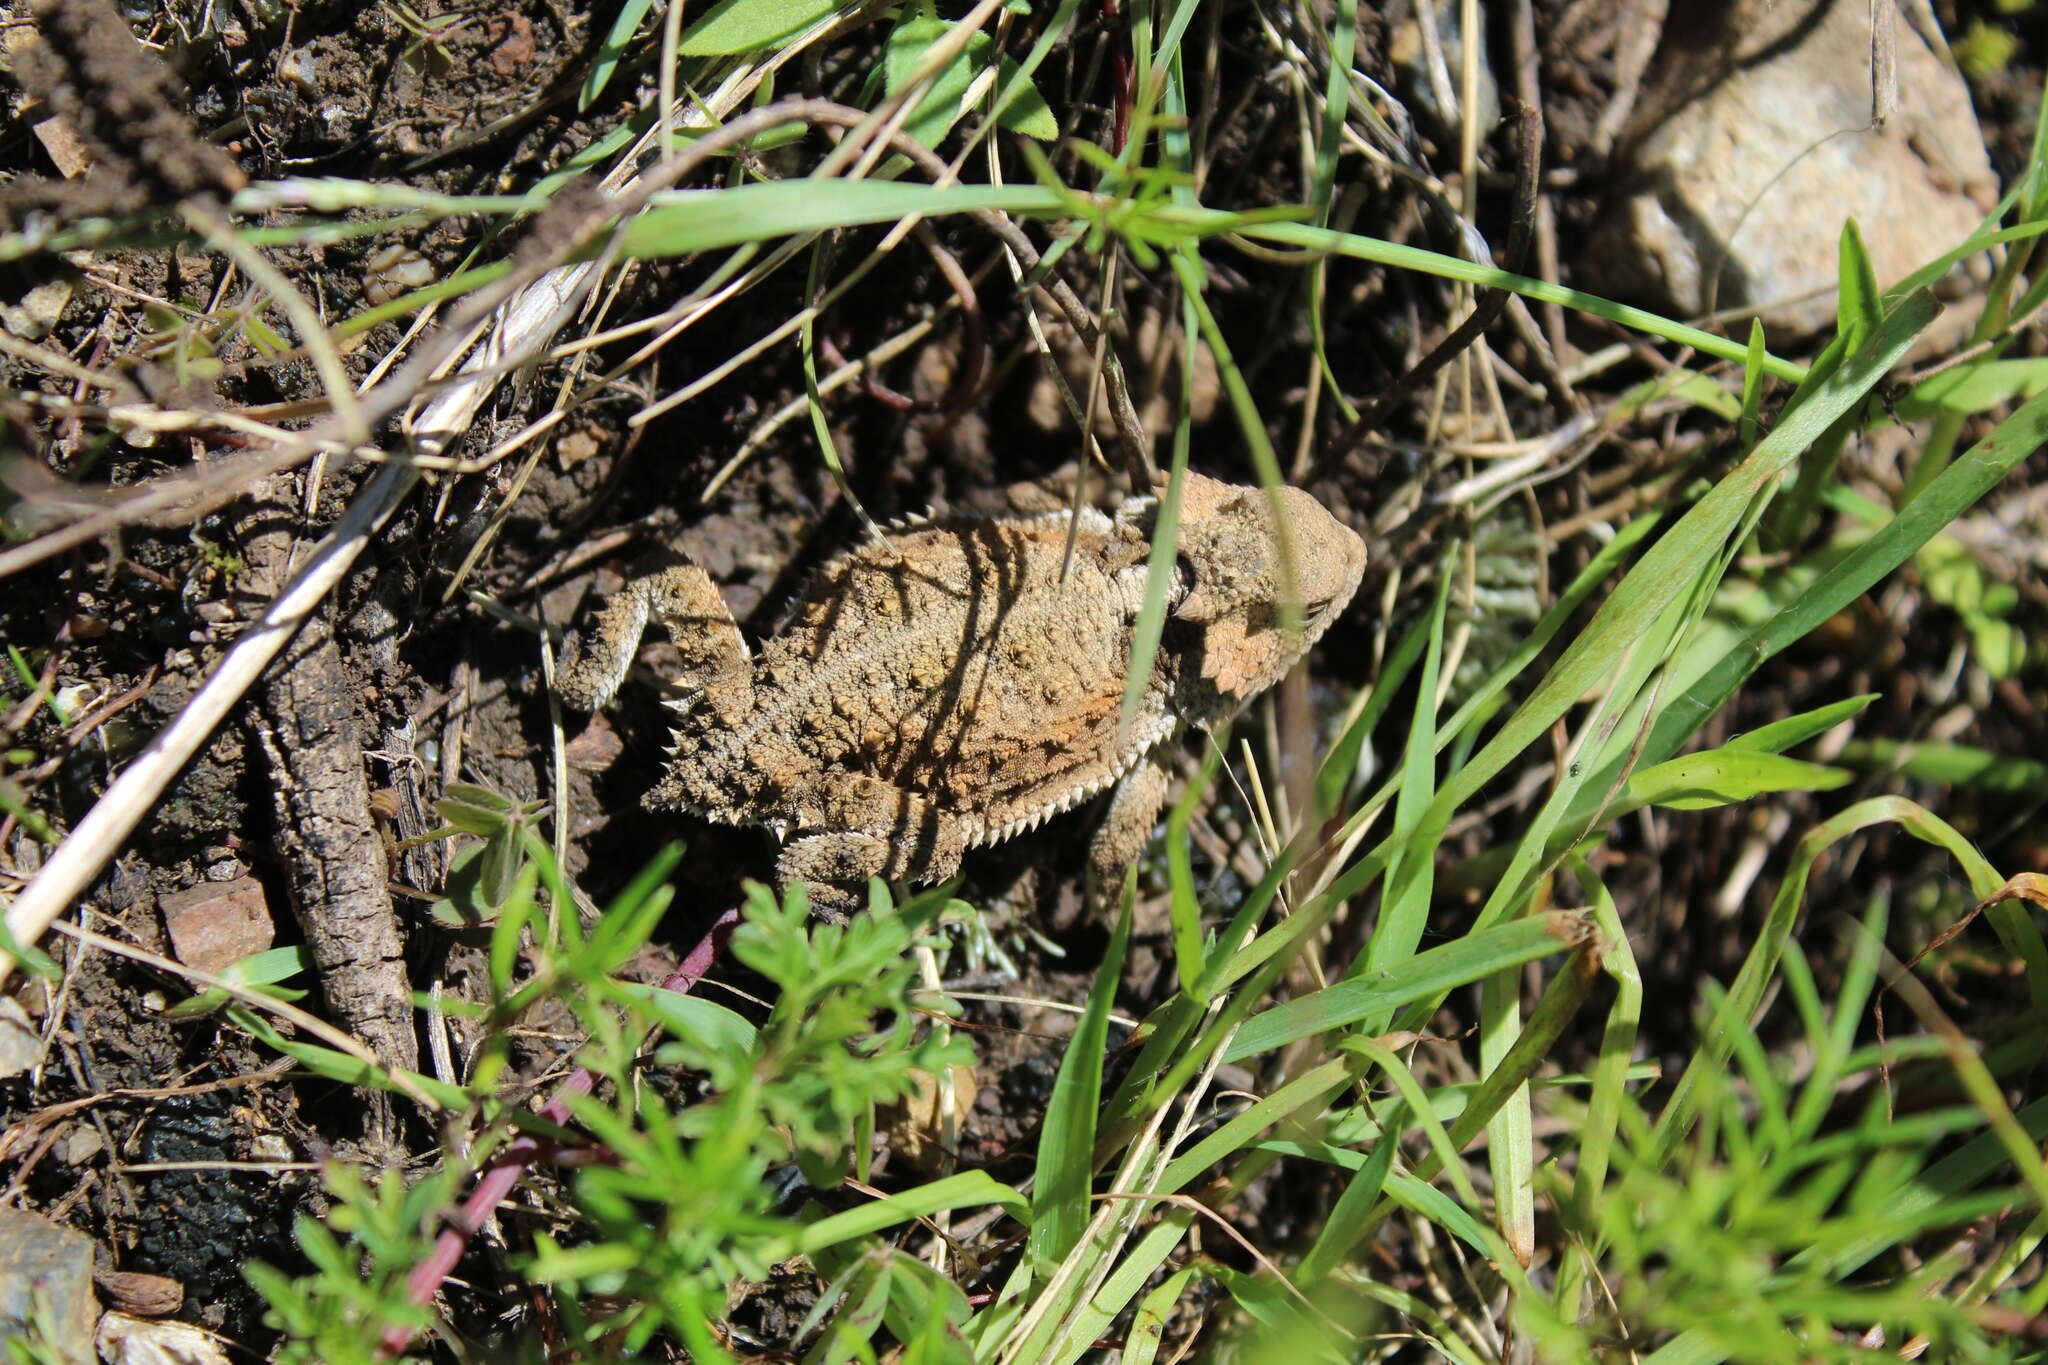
column 263, row 973
column 360, row 1254
column 680, row 1200
column 482, row 877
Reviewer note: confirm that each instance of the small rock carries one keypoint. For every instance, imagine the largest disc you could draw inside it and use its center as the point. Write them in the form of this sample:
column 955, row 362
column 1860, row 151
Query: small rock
column 596, row 749
column 271, row 1147
column 68, row 152
column 124, row 1340
column 577, row 446
column 39, row 311
column 216, row 923
column 300, row 69
column 1752, row 142
column 394, row 270
column 512, row 45
column 20, row 1043
column 80, row 1144
column 46, row 1285
column 146, row 1296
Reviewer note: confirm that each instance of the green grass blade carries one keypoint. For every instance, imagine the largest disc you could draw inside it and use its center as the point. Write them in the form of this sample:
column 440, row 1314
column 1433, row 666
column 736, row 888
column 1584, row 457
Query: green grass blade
column 1066, row 1145
column 1404, row 904
column 1429, row 973
column 617, row 39
column 1958, row 487
column 1596, row 1132
column 1318, row 239
column 1151, row 622
column 1676, row 560
column 1736, row 1015
column 964, row 1190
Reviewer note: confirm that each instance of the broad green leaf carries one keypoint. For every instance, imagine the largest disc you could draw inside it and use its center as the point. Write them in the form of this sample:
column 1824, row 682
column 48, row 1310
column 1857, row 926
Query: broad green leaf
column 259, row 972
column 1027, row 113
column 264, row 968
column 941, row 106
column 735, row 26
column 1719, row 777
column 474, row 810
column 695, row 1020
column 1998, row 646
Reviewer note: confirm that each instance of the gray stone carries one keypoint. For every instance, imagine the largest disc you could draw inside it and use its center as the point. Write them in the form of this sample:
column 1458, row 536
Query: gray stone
column 46, row 1285
column 1752, row 142
column 21, row 1043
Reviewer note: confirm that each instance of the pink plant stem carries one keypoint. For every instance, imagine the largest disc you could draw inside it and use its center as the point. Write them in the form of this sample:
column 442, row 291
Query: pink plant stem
column 502, row 1175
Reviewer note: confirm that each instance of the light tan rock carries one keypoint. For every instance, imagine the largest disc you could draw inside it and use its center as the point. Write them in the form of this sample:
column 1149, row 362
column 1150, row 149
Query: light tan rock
column 1753, row 142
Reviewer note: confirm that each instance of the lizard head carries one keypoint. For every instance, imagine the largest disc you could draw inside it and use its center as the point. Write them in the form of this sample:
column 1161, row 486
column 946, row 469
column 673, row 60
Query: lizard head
column 1264, row 576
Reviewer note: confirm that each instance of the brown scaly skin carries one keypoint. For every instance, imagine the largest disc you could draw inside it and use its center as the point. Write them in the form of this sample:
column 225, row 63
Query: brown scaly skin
column 949, row 687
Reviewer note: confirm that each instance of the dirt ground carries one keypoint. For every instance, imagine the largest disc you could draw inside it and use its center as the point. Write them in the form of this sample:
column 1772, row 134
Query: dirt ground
column 417, row 685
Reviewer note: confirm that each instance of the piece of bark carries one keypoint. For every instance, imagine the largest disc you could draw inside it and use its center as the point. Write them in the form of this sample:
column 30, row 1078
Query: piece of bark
column 306, row 725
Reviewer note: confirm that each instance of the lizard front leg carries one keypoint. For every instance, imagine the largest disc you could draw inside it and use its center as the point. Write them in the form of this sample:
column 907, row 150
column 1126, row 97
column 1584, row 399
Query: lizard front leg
column 1126, row 827
column 866, row 828
column 683, row 599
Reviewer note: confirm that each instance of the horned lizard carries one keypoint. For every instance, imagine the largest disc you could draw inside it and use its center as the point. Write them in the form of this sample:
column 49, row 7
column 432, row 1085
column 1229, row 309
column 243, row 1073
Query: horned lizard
column 959, row 682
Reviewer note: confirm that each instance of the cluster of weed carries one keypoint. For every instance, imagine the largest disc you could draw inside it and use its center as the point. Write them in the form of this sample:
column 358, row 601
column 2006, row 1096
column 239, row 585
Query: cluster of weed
column 676, row 1202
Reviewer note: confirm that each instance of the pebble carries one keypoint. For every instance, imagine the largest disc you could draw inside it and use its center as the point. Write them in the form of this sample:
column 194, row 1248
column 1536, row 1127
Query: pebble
column 46, row 1279
column 217, row 923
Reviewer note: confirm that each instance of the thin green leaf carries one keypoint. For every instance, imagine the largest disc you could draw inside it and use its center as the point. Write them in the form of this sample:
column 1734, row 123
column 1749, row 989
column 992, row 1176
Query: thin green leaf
column 1960, row 485
column 957, row 1191
column 1720, row 777
column 686, row 221
column 1066, row 1145
column 1972, row 388
column 617, row 39
column 1792, row 731
column 1957, row 765
column 1438, row 970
